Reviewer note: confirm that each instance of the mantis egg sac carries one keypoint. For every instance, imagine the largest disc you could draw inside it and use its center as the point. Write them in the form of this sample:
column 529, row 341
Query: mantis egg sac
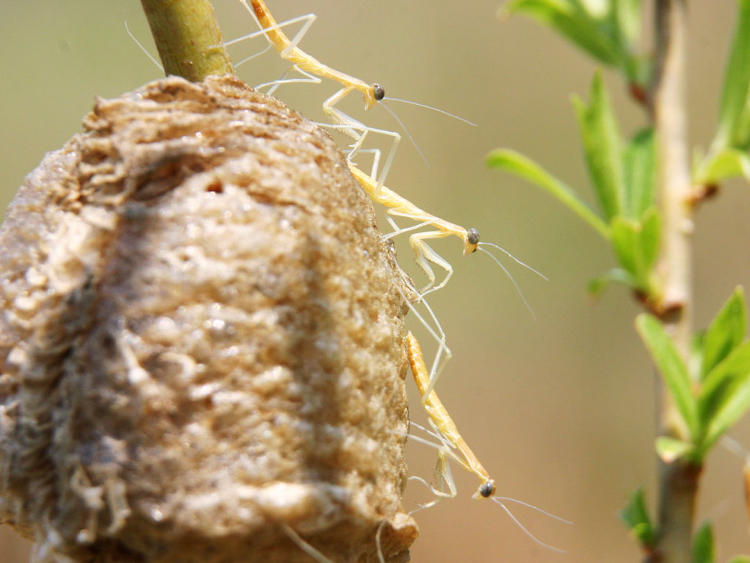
column 202, row 341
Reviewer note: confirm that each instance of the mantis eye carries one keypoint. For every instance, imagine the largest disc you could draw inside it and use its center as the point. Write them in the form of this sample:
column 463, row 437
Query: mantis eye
column 473, row 236
column 378, row 91
column 487, row 489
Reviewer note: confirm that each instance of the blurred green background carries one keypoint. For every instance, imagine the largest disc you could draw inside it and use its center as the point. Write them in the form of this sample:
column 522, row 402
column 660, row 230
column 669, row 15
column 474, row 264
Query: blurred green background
column 559, row 409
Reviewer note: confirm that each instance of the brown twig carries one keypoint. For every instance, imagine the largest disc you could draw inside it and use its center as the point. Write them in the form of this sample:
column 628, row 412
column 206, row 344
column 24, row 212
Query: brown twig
column 678, row 481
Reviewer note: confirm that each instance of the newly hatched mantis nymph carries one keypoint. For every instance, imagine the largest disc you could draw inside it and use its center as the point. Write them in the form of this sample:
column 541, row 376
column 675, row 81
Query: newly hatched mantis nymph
column 401, row 207
column 451, row 444
column 442, row 421
column 313, row 70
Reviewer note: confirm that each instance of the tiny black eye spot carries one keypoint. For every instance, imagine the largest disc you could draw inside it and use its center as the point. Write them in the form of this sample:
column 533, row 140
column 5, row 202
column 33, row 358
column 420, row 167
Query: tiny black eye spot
column 378, row 91
column 487, row 489
column 472, row 235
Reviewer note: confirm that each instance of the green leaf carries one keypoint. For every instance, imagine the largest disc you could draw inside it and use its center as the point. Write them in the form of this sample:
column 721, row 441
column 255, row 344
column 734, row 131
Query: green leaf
column 741, row 137
column 671, row 449
column 650, row 238
column 671, row 367
column 635, row 516
column 639, row 173
column 636, row 246
column 726, row 331
column 719, row 381
column 734, row 93
column 615, row 275
column 625, row 243
column 727, row 163
column 571, row 20
column 703, row 545
column 515, row 163
column 601, row 144
column 627, row 14
column 730, row 411
column 733, row 131
column 695, row 360
column 740, row 559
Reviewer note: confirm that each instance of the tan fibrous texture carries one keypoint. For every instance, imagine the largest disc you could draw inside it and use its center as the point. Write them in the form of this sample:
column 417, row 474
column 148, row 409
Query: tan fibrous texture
column 201, row 337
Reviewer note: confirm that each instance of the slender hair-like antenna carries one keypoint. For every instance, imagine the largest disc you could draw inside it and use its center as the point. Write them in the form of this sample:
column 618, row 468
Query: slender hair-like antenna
column 143, row 48
column 734, row 447
column 381, row 559
column 425, row 106
column 303, row 545
column 525, row 529
column 510, row 277
column 516, row 260
column 251, row 57
column 533, row 507
column 406, row 131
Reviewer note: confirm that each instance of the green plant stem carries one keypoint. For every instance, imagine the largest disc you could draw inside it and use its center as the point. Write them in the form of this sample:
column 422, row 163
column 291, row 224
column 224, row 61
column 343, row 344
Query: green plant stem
column 188, row 38
column 678, row 481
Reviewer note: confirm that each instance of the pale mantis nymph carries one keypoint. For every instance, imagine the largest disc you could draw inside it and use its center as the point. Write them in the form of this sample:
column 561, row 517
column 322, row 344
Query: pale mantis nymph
column 452, row 445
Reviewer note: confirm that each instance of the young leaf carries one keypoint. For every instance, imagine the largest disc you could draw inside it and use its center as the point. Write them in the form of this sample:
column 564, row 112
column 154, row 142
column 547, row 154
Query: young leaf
column 571, row 20
column 740, row 559
column 703, row 545
column 671, row 449
column 671, row 367
column 627, row 14
column 726, row 331
column 635, row 516
column 636, row 246
column 741, row 137
column 615, row 275
column 639, row 173
column 650, row 238
column 730, row 411
column 601, row 144
column 717, row 383
column 734, row 95
column 727, row 163
column 625, row 245
column 695, row 360
column 515, row 163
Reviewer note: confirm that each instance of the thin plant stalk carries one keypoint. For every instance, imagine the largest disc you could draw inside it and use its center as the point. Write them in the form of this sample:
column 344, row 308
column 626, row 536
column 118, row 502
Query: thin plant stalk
column 188, row 38
column 678, row 481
